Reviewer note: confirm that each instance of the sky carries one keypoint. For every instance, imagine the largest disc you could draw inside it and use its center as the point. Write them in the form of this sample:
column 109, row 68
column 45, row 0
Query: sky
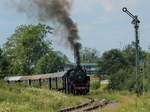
column 102, row 24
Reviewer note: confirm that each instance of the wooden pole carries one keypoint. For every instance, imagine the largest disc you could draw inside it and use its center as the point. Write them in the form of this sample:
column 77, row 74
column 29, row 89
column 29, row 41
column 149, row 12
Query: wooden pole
column 19, row 81
column 8, row 81
column 56, row 83
column 30, row 82
column 40, row 83
column 50, row 83
column 64, row 84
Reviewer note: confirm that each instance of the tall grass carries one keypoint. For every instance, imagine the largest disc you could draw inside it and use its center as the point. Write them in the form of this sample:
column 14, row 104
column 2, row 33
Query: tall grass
column 130, row 103
column 20, row 98
column 125, row 101
column 95, row 84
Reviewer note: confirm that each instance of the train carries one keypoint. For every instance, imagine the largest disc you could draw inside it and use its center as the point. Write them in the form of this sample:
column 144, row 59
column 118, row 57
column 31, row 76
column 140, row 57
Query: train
column 73, row 81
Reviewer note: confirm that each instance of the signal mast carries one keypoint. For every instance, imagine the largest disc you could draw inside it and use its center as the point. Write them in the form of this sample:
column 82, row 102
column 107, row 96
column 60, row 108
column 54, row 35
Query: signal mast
column 135, row 22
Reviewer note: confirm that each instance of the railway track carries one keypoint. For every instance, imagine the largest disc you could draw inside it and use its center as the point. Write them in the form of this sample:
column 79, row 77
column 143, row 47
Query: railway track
column 90, row 106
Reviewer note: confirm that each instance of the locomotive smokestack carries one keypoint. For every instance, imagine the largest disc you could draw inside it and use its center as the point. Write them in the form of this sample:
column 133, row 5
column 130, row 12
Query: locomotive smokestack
column 77, row 54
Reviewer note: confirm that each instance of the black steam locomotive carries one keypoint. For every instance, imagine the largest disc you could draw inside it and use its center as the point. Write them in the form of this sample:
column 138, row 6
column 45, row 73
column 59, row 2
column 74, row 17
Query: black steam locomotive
column 76, row 81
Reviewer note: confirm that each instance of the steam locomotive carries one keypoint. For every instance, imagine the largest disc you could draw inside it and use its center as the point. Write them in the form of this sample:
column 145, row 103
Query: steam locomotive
column 76, row 81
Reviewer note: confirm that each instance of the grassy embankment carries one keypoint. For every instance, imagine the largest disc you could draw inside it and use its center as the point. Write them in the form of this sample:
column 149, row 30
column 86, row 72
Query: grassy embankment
column 19, row 98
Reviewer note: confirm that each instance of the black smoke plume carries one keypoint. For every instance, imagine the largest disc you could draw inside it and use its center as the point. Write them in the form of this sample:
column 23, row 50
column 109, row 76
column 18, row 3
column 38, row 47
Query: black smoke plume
column 57, row 11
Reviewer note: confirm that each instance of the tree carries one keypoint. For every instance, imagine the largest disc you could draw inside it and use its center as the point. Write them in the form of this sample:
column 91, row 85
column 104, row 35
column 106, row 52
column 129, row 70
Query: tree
column 123, row 79
column 111, row 61
column 117, row 67
column 25, row 47
column 63, row 57
column 130, row 53
column 89, row 55
column 147, row 72
column 50, row 63
column 3, row 64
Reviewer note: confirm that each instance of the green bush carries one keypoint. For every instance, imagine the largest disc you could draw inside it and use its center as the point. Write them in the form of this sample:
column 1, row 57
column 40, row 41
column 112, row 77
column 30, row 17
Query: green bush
column 121, row 80
column 95, row 84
